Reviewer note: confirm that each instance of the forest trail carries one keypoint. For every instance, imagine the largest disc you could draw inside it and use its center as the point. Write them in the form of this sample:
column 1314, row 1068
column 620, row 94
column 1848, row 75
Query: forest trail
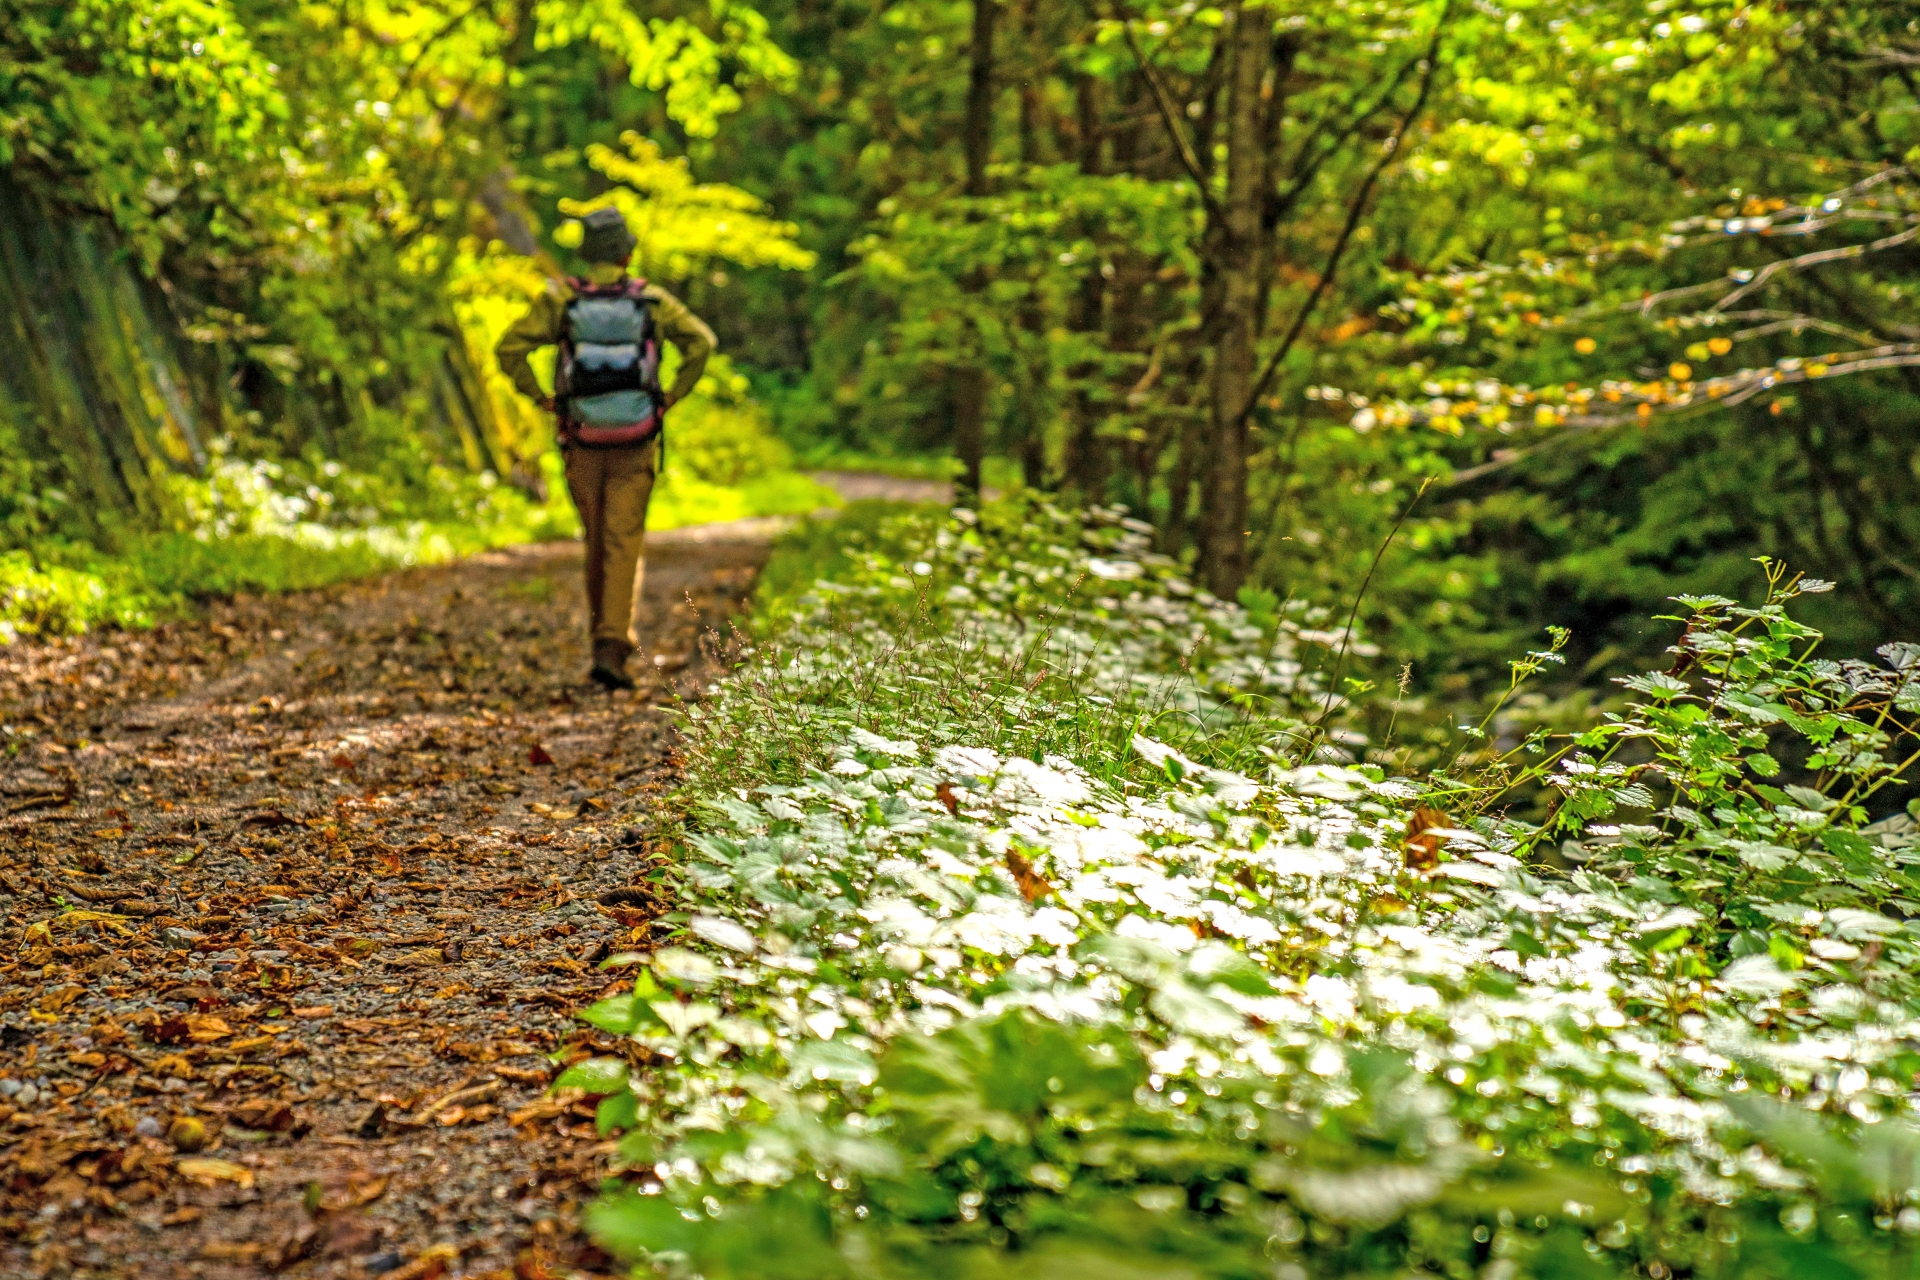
column 356, row 855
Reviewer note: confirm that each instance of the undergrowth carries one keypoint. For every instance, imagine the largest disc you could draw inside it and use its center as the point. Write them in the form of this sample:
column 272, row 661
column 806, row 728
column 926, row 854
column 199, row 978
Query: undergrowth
column 1042, row 917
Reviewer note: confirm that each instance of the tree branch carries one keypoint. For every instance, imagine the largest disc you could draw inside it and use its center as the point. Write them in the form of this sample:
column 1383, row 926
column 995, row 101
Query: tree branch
column 1747, row 385
column 446, row 29
column 1164, row 101
column 1355, row 212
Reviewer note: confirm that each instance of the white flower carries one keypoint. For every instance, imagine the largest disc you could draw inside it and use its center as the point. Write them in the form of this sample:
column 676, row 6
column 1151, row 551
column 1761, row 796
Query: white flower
column 967, row 762
column 1158, row 753
column 1171, row 936
column 900, row 749
column 723, row 932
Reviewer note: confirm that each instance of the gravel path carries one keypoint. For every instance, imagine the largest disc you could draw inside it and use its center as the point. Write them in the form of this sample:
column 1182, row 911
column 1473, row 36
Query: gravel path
column 297, row 903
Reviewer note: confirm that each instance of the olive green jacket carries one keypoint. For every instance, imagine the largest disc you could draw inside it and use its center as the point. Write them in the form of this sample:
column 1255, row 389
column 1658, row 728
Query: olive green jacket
column 545, row 324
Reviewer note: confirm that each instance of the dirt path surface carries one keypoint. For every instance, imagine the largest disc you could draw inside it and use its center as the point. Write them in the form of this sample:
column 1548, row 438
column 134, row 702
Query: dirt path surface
column 297, row 903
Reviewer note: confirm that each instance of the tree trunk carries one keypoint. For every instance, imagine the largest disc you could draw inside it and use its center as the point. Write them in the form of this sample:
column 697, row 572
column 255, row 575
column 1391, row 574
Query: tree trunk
column 970, row 379
column 1237, row 264
column 1028, row 417
column 1084, row 467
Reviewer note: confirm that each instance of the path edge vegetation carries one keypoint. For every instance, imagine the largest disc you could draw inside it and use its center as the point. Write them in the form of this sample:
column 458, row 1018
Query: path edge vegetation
column 1036, row 917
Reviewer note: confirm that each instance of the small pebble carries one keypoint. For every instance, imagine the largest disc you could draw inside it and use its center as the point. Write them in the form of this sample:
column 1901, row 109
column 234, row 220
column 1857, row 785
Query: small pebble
column 8, row 1088
column 380, row 1263
column 27, row 1096
column 148, row 1127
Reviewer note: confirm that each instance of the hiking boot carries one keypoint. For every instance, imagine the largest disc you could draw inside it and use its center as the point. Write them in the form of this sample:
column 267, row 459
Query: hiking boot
column 609, row 678
column 610, row 665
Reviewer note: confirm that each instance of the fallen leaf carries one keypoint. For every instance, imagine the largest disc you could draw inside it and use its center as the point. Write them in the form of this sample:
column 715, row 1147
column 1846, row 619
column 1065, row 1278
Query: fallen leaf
column 42, row 931
column 1423, row 850
column 537, row 754
column 182, row 1216
column 209, row 1171
column 1033, row 885
column 461, row 1098
column 312, row 1011
column 204, row 1028
column 271, row 818
column 944, row 793
column 361, row 1189
column 524, row 1075
column 270, row 1114
column 428, row 1266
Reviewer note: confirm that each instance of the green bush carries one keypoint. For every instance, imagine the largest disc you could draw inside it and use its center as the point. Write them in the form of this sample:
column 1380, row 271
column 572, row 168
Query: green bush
column 1042, row 919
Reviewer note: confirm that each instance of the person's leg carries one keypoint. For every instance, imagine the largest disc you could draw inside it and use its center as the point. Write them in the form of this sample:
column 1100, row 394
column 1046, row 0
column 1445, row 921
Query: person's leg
column 586, row 481
column 629, row 487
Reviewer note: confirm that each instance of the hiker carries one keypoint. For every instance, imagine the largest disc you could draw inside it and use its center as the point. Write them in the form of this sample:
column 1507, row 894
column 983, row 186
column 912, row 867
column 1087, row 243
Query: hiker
column 611, row 412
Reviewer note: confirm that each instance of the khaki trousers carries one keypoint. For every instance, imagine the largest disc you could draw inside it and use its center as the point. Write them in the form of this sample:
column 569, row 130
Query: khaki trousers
column 610, row 489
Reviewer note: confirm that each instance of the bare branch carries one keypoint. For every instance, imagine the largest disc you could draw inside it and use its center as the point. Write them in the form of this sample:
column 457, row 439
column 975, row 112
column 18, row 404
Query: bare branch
column 1721, row 393
column 1164, row 101
column 1789, row 322
column 1824, row 256
column 1355, row 211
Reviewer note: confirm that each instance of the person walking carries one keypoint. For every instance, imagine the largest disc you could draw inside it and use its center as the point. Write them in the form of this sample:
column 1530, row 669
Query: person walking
column 610, row 412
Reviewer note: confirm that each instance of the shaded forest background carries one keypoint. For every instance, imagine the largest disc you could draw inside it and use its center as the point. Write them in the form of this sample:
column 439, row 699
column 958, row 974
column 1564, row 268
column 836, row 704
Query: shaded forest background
column 1593, row 307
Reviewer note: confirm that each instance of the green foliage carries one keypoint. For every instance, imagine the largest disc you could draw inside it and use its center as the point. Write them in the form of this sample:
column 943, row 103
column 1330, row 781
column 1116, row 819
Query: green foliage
column 980, row 979
column 318, row 189
column 1486, row 310
column 254, row 530
column 683, row 227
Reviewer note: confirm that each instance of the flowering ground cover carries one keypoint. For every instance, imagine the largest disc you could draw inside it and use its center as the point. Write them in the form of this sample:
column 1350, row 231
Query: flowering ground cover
column 1042, row 915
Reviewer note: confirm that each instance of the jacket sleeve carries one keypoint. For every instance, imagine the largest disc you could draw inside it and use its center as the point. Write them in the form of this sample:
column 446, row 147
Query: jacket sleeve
column 686, row 331
column 540, row 327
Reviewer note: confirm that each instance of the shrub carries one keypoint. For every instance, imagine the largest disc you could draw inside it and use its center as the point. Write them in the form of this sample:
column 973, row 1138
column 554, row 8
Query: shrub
column 1033, row 927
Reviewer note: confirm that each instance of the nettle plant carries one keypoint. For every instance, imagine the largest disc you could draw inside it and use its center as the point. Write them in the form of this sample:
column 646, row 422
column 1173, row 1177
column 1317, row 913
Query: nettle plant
column 969, row 988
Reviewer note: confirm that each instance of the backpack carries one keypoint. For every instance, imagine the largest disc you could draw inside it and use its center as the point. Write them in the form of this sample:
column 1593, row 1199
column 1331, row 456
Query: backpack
column 607, row 383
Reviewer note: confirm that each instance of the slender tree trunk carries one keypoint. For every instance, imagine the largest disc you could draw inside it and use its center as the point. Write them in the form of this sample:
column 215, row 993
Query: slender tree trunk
column 1085, row 466
column 1189, row 436
column 1224, row 541
column 1027, row 418
column 970, row 379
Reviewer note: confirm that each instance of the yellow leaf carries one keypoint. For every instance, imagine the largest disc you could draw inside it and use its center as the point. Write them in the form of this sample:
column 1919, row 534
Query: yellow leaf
column 208, row 1171
column 1680, row 371
column 1585, row 346
column 204, row 1028
column 1719, row 346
